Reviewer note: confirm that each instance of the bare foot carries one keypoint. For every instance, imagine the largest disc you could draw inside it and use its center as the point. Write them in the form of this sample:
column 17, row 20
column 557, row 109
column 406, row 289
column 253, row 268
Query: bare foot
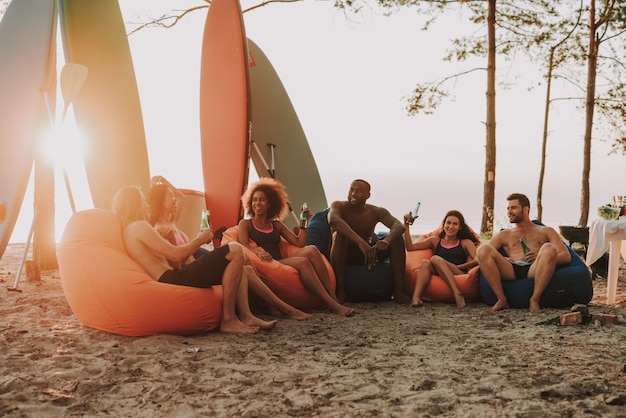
column 500, row 306
column 259, row 323
column 416, row 302
column 459, row 299
column 341, row 310
column 534, row 307
column 297, row 314
column 400, row 297
column 238, row 327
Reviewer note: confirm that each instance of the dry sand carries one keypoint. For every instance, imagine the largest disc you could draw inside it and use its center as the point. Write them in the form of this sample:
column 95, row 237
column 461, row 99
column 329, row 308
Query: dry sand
column 388, row 360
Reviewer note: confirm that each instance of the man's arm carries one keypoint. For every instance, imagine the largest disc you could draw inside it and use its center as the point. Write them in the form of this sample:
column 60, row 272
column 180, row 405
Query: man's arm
column 396, row 228
column 497, row 240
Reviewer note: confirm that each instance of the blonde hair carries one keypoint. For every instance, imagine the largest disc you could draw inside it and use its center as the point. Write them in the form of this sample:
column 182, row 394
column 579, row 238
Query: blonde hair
column 128, row 205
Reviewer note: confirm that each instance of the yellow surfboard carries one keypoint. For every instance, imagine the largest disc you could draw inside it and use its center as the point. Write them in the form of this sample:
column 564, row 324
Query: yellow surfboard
column 107, row 109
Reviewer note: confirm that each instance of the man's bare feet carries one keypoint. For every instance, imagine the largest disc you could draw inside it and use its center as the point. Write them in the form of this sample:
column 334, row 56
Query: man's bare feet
column 500, row 306
column 400, row 297
column 237, row 327
column 416, row 302
column 534, row 307
column 459, row 299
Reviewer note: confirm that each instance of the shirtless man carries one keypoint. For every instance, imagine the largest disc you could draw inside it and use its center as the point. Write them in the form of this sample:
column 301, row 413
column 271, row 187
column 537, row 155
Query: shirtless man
column 352, row 223
column 546, row 252
column 226, row 265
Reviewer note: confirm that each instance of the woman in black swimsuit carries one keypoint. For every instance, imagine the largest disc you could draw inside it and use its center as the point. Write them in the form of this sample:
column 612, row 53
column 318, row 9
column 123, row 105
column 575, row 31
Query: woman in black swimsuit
column 451, row 249
column 266, row 203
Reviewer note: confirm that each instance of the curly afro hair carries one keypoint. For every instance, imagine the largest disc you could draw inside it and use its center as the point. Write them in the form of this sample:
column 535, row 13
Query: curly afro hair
column 276, row 197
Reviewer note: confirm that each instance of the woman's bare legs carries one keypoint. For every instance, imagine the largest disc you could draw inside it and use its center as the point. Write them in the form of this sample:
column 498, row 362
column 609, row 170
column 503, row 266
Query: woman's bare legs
column 421, row 282
column 444, row 269
column 260, row 289
column 245, row 314
column 309, row 279
column 316, row 258
column 231, row 285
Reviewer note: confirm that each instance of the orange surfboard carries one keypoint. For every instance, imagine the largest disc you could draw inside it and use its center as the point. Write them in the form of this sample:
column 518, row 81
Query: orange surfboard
column 224, row 112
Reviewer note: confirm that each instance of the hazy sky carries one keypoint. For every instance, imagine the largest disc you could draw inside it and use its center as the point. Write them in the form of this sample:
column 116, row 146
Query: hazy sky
column 347, row 79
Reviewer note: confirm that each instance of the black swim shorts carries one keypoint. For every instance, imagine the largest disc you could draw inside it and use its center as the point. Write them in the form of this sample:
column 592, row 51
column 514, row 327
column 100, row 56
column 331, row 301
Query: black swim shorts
column 205, row 271
column 521, row 269
column 354, row 255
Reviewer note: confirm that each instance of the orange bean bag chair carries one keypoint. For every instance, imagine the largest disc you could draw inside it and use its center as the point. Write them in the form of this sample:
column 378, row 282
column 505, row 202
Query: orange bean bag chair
column 107, row 290
column 284, row 280
column 437, row 290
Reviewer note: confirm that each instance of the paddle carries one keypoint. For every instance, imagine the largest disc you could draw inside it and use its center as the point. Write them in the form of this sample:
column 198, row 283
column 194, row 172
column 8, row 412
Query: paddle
column 73, row 77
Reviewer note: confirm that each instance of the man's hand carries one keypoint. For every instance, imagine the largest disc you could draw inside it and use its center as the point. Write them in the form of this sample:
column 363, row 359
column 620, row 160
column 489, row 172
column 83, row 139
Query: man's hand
column 369, row 253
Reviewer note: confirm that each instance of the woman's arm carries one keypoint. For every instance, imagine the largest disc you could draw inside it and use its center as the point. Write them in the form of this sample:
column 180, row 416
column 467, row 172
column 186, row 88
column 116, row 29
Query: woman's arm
column 428, row 243
column 470, row 250
column 243, row 236
column 293, row 239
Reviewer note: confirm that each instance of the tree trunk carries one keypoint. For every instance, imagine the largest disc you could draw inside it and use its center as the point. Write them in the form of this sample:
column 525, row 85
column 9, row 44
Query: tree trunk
column 592, row 63
column 490, row 149
column 544, row 141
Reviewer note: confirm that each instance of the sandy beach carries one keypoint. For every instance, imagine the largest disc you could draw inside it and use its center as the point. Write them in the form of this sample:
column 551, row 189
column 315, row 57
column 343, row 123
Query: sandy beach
column 388, row 360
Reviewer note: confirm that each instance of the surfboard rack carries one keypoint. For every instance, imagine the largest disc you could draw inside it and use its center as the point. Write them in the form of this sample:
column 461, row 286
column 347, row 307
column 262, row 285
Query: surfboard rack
column 257, row 156
column 72, row 79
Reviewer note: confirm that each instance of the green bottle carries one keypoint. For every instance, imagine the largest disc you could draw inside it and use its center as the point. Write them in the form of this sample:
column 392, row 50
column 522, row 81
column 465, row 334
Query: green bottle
column 205, row 222
column 524, row 246
column 304, row 221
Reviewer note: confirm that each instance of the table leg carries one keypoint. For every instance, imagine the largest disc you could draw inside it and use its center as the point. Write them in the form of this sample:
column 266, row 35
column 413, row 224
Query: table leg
column 611, row 282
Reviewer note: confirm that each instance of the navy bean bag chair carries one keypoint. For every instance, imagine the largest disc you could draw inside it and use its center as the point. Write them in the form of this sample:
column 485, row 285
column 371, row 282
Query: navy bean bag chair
column 360, row 284
column 319, row 232
column 569, row 285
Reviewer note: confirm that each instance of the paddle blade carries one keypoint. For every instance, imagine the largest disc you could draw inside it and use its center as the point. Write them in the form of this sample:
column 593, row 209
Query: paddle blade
column 73, row 77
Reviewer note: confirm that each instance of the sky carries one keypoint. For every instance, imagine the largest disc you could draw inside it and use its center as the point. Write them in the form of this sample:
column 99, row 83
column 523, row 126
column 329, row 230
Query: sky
column 347, row 78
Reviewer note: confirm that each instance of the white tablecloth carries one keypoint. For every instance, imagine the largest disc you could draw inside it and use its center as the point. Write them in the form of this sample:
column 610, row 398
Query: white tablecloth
column 600, row 234
column 605, row 235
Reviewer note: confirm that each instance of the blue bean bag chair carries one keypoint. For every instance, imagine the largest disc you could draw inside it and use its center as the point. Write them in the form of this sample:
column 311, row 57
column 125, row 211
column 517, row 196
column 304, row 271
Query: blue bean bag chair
column 363, row 285
column 569, row 285
column 318, row 232
column 360, row 284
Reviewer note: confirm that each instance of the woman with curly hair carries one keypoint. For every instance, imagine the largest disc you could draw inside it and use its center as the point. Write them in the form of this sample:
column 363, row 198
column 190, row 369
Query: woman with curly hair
column 450, row 251
column 164, row 204
column 266, row 203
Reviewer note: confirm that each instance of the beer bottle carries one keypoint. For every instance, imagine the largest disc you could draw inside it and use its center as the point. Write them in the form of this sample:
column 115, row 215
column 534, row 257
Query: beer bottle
column 205, row 222
column 524, row 246
column 304, row 220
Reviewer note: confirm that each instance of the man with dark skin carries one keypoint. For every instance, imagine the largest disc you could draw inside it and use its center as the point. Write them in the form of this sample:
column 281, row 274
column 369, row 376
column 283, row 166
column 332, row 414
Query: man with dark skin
column 352, row 223
column 547, row 251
